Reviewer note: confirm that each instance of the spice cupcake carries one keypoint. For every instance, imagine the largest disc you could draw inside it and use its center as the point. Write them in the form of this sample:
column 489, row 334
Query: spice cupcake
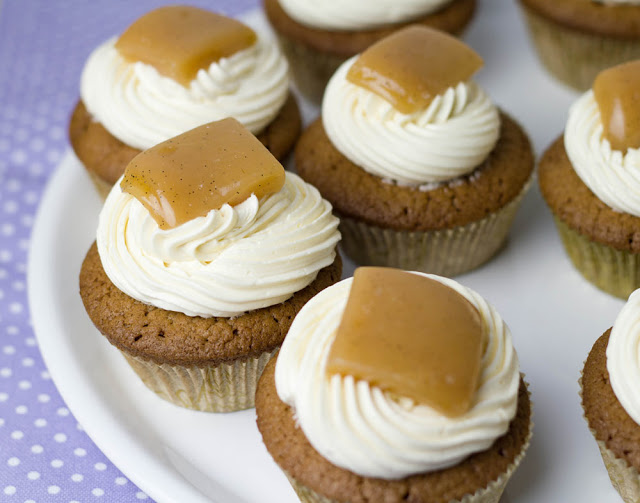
column 423, row 169
column 589, row 178
column 395, row 386
column 205, row 252
column 174, row 69
column 611, row 399
column 317, row 37
column 577, row 39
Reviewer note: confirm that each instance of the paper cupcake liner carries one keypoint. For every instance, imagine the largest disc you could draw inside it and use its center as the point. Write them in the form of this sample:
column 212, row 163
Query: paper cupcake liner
column 446, row 252
column 489, row 494
column 576, row 57
column 615, row 271
column 226, row 387
column 624, row 478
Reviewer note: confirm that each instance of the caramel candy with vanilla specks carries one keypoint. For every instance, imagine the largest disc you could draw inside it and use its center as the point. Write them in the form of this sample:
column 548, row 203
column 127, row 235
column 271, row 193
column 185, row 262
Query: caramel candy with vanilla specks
column 412, row 336
column 413, row 66
column 180, row 40
column 201, row 170
column 617, row 93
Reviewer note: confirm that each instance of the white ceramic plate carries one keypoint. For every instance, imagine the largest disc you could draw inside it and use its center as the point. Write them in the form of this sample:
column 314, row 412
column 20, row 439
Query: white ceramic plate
column 177, row 455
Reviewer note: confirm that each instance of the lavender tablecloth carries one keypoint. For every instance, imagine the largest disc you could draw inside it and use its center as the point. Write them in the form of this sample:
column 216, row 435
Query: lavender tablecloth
column 44, row 453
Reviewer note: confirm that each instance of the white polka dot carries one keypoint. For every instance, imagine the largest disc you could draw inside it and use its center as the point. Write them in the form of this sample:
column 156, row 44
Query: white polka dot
column 9, row 350
column 40, row 422
column 27, row 362
column 23, row 244
column 36, row 169
column 53, row 489
column 20, row 134
column 141, row 496
column 5, row 256
column 57, row 463
column 21, row 267
column 8, row 230
column 10, row 207
column 60, row 437
column 37, row 144
column 13, row 461
column 12, row 330
column 18, row 286
column 1, row 422
column 45, row 375
column 15, row 308
column 121, row 481
column 5, row 372
column 18, row 157
column 97, row 492
column 3, row 397
column 17, row 435
column 80, row 452
column 62, row 411
column 29, row 501
column 27, row 220
column 30, row 341
column 30, row 197
column 10, row 490
column 56, row 132
column 21, row 409
column 37, row 449
column 13, row 185
column 79, row 427
column 43, row 398
column 76, row 477
column 33, row 475
column 53, row 156
column 24, row 385
column 3, row 275
column 100, row 467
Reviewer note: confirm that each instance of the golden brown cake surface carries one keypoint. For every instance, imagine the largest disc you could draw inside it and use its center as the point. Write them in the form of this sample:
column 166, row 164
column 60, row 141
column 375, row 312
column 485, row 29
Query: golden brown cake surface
column 107, row 157
column 291, row 450
column 604, row 413
column 621, row 21
column 574, row 203
column 170, row 337
column 355, row 193
column 451, row 18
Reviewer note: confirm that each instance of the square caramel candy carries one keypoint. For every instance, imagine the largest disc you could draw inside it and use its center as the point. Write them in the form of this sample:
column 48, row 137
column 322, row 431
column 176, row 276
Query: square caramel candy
column 180, row 40
column 198, row 171
column 617, row 93
column 412, row 66
column 411, row 336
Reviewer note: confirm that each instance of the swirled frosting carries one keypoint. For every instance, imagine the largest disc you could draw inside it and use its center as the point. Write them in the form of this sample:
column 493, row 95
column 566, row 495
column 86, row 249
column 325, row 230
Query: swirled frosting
column 358, row 14
column 232, row 260
column 362, row 429
column 142, row 108
column 448, row 139
column 613, row 176
column 623, row 356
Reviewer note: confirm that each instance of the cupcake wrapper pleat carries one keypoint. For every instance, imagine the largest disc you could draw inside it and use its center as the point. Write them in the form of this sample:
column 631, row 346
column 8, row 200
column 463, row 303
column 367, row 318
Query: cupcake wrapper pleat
column 225, row 387
column 447, row 252
column 575, row 57
column 615, row 271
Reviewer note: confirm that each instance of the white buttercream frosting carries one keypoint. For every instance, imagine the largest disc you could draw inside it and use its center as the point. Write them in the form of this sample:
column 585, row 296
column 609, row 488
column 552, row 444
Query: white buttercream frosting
column 448, row 139
column 142, row 108
column 612, row 175
column 364, row 430
column 232, row 260
column 358, row 14
column 623, row 357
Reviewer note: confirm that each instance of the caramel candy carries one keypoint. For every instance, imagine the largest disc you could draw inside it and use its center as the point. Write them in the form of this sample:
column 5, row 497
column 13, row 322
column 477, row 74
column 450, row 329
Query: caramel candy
column 411, row 336
column 200, row 170
column 617, row 93
column 414, row 65
column 180, row 40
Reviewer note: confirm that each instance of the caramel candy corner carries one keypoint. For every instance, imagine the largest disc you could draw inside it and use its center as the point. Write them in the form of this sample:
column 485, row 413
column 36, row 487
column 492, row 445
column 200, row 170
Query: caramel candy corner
column 179, row 40
column 198, row 171
column 617, row 93
column 411, row 336
column 412, row 66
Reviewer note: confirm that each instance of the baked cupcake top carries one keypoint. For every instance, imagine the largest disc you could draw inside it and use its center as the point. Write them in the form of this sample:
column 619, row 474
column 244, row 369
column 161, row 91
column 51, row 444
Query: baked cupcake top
column 141, row 106
column 376, row 432
column 623, row 359
column 358, row 14
column 446, row 132
column 602, row 137
column 236, row 256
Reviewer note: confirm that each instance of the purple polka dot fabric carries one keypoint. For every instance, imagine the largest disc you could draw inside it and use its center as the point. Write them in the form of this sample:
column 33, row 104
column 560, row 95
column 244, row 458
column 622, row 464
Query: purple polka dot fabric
column 44, row 453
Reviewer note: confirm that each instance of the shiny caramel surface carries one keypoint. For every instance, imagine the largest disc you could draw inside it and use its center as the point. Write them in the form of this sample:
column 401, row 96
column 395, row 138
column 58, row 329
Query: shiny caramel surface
column 412, row 66
column 411, row 336
column 201, row 170
column 180, row 40
column 617, row 93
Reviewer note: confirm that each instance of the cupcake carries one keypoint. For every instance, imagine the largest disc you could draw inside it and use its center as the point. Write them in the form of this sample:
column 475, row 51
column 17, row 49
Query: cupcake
column 423, row 169
column 172, row 70
column 396, row 386
column 205, row 252
column 589, row 178
column 577, row 39
column 317, row 37
column 611, row 399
